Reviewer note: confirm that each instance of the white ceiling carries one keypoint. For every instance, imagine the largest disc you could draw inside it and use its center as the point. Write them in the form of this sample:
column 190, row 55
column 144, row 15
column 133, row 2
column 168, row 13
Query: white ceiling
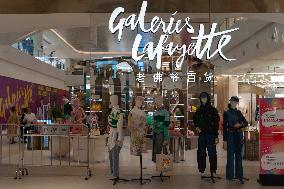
column 263, row 64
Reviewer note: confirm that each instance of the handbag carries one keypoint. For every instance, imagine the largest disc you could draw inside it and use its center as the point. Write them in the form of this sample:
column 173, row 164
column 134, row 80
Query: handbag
column 164, row 161
column 96, row 107
column 95, row 132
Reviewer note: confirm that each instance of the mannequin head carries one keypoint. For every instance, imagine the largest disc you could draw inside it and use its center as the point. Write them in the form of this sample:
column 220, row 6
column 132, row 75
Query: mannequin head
column 234, row 101
column 139, row 100
column 65, row 100
column 114, row 100
column 204, row 98
column 76, row 103
column 159, row 101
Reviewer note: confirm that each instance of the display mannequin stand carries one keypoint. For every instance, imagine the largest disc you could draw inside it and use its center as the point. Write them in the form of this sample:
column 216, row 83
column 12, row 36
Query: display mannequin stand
column 161, row 176
column 117, row 179
column 241, row 179
column 141, row 174
column 212, row 177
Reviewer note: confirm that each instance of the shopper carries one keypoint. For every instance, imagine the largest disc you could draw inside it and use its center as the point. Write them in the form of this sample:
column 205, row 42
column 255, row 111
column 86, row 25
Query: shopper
column 23, row 123
column 234, row 121
column 30, row 117
column 67, row 108
column 27, row 119
column 206, row 122
column 13, row 122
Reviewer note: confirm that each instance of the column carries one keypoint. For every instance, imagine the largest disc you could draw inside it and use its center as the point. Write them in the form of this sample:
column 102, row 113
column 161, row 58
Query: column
column 227, row 86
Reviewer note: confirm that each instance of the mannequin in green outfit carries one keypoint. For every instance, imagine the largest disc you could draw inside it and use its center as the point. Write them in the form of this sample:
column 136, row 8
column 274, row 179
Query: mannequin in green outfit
column 160, row 128
column 116, row 137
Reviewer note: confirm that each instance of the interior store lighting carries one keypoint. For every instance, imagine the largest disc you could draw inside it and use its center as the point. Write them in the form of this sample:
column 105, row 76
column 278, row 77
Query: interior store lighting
column 279, row 95
column 277, row 78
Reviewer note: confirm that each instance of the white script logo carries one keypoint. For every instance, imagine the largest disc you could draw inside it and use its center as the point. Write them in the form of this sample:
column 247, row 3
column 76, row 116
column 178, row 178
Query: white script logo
column 168, row 29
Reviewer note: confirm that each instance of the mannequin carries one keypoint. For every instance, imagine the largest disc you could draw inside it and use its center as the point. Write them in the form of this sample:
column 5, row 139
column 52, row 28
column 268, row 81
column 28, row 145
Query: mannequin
column 116, row 137
column 67, row 108
column 161, row 132
column 161, row 124
column 206, row 122
column 78, row 115
column 233, row 122
column 137, row 125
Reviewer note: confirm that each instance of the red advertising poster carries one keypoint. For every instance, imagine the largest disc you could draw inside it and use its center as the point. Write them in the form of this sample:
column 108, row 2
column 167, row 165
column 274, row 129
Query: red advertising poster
column 271, row 138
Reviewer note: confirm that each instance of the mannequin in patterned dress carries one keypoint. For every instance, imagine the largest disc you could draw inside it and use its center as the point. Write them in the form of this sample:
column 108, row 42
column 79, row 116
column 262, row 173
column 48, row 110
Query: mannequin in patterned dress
column 137, row 125
column 78, row 115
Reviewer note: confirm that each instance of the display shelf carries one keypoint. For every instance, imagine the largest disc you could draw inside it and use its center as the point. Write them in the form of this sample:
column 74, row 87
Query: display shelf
column 149, row 101
column 178, row 116
column 94, row 111
column 97, row 100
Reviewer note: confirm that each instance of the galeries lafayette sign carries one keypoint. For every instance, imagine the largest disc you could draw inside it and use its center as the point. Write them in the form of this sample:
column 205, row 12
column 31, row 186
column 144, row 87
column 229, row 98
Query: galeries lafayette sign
column 201, row 43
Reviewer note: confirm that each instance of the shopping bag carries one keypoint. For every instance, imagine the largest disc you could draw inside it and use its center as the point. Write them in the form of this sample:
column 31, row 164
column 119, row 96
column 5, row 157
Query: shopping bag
column 164, row 162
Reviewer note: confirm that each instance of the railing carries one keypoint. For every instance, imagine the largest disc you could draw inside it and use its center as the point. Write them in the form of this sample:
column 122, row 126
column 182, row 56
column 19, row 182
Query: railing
column 45, row 145
column 40, row 55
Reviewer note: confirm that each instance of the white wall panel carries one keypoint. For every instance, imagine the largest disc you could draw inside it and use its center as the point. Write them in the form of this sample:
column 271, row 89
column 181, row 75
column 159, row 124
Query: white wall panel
column 18, row 65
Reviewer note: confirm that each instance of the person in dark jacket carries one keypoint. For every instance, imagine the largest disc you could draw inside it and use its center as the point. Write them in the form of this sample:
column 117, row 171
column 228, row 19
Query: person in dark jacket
column 23, row 123
column 233, row 123
column 206, row 122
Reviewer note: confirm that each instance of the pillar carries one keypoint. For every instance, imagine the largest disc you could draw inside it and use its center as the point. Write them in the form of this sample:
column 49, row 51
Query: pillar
column 227, row 86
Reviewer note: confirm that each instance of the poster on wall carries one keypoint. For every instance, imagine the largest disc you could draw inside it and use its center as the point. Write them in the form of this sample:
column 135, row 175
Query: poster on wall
column 272, row 141
column 22, row 94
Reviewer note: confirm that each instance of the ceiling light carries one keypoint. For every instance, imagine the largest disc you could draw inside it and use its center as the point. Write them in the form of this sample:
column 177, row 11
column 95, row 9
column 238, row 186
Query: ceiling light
column 279, row 95
column 277, row 79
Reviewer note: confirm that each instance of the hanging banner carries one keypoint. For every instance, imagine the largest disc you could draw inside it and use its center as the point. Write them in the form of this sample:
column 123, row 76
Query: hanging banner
column 272, row 141
column 22, row 94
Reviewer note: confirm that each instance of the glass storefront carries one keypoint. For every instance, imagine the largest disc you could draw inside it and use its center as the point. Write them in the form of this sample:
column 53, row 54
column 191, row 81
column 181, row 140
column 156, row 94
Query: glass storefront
column 157, row 81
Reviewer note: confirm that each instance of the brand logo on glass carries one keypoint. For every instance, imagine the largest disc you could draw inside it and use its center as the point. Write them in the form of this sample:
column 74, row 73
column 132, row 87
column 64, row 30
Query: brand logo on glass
column 201, row 43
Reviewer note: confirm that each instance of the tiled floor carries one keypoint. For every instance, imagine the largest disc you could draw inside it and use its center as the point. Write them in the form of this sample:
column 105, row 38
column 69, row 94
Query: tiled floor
column 185, row 175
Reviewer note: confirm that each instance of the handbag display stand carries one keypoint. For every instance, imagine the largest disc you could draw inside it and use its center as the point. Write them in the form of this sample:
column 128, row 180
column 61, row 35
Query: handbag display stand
column 141, row 179
column 212, row 177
